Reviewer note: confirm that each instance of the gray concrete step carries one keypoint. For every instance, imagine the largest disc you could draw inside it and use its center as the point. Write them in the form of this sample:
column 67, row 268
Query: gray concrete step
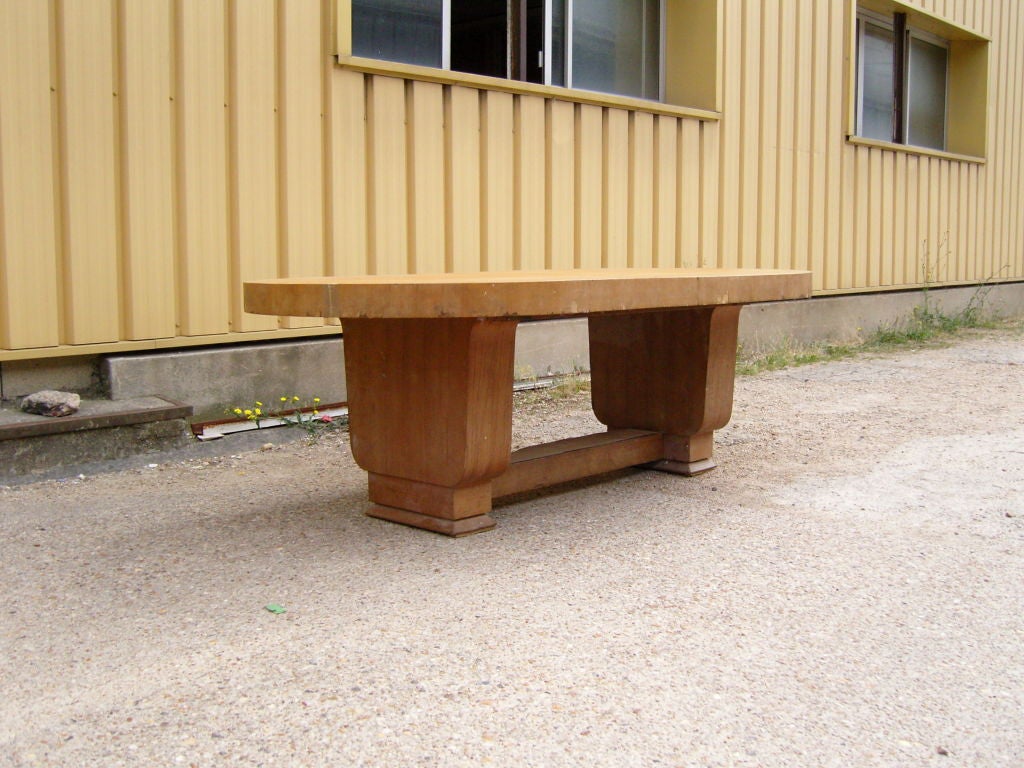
column 101, row 430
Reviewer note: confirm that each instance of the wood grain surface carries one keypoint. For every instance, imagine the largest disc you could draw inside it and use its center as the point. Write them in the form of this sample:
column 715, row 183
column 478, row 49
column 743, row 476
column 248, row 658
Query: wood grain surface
column 521, row 294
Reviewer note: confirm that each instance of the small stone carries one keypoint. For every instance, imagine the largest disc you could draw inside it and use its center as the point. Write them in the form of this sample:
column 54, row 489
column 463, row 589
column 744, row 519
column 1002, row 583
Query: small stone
column 50, row 402
column 267, row 447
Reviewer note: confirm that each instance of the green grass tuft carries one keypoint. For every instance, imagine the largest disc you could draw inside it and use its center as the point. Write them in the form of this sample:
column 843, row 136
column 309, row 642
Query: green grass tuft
column 927, row 325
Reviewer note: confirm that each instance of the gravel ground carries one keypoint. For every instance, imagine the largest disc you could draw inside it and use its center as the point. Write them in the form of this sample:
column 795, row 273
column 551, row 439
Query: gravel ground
column 844, row 590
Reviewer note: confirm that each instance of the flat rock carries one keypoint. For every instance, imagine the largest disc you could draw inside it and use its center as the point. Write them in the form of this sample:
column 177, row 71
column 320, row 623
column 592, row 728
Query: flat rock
column 50, row 402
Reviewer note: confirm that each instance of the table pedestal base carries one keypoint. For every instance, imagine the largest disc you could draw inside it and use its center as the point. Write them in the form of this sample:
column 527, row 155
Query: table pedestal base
column 431, row 408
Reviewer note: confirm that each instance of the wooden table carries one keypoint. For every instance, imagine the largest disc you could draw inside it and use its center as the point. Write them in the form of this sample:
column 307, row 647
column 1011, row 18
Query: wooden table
column 429, row 368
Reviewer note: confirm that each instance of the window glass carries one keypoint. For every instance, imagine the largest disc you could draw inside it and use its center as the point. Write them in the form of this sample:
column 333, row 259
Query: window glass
column 614, row 43
column 926, row 97
column 557, row 42
column 611, row 46
column 876, row 87
column 920, row 81
column 398, row 30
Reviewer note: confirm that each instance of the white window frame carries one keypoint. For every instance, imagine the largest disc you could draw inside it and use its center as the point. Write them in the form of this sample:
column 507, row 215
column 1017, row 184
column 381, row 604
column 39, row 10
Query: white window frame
column 446, row 34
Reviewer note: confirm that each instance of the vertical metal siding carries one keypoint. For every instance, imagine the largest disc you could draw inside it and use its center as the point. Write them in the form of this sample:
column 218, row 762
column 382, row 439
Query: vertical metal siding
column 462, row 198
column 350, row 173
column 253, row 154
column 531, row 194
column 88, row 170
column 794, row 193
column 301, row 139
column 589, row 235
column 560, row 216
column 425, row 125
column 30, row 293
column 497, row 174
column 154, row 156
column 201, row 166
column 147, row 178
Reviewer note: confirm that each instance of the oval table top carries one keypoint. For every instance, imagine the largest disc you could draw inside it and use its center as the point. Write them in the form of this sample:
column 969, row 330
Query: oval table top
column 536, row 294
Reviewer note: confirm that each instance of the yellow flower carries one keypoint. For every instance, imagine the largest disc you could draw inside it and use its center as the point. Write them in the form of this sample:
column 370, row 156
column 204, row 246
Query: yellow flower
column 316, row 412
column 248, row 412
column 259, row 403
column 316, row 399
column 295, row 398
column 238, row 411
column 259, row 412
column 284, row 399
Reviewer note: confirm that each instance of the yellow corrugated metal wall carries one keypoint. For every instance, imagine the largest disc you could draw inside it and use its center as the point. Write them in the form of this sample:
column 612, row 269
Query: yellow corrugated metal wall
column 433, row 177
column 154, row 155
column 795, row 193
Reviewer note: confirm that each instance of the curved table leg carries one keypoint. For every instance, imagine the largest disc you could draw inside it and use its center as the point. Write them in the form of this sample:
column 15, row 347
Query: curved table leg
column 431, row 416
column 668, row 371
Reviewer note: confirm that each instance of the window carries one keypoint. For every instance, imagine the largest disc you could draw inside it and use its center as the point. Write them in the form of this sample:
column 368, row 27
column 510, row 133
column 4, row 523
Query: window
column 902, row 81
column 927, row 68
column 612, row 46
column 916, row 80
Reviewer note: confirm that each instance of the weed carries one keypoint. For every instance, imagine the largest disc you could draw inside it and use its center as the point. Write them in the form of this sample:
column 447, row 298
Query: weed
column 291, row 412
column 927, row 324
column 790, row 353
column 570, row 385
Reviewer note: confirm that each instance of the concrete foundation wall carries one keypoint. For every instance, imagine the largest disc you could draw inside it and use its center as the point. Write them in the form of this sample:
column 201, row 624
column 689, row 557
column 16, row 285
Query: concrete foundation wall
column 215, row 378
column 70, row 374
column 551, row 348
column 852, row 317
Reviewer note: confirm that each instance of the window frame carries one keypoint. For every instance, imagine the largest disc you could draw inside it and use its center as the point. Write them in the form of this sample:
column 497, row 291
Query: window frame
column 903, row 76
column 941, row 42
column 878, row 20
column 548, row 48
column 692, row 65
column 968, row 79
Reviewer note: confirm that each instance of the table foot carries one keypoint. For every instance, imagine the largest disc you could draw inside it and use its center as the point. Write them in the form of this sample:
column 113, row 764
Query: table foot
column 455, row 528
column 686, row 468
column 451, row 511
column 687, row 456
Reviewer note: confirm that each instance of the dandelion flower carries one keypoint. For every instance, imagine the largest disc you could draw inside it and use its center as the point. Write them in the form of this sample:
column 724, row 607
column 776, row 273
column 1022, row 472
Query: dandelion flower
column 237, row 411
column 316, row 399
column 248, row 412
column 284, row 399
column 295, row 398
